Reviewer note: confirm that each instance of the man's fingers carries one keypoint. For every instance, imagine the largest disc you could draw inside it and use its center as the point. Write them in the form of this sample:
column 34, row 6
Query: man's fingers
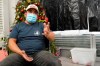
column 47, row 25
column 29, row 59
column 26, row 57
column 44, row 25
column 23, row 51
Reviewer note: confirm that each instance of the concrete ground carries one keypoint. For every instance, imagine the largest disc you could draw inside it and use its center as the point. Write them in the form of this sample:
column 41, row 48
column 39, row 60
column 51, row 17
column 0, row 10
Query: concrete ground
column 68, row 62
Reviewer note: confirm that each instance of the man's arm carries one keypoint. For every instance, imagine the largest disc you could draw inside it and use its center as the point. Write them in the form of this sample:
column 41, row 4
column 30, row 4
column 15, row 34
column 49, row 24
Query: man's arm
column 48, row 33
column 13, row 47
column 50, row 36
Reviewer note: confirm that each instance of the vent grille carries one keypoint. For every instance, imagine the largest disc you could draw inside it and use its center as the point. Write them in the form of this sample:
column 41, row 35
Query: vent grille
column 97, row 40
column 83, row 41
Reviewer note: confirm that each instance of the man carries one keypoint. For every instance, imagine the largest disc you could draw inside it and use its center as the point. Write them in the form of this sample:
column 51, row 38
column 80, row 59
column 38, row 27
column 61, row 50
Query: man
column 28, row 40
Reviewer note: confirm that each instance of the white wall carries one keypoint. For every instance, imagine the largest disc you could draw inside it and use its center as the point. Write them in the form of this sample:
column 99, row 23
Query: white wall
column 8, row 15
column 5, row 17
column 12, row 6
column 5, row 21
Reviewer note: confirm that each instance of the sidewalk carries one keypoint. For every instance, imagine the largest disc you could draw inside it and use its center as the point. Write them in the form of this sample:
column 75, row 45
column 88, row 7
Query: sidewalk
column 68, row 62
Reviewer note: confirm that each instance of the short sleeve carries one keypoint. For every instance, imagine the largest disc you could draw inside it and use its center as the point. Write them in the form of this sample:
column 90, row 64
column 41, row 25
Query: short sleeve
column 14, row 32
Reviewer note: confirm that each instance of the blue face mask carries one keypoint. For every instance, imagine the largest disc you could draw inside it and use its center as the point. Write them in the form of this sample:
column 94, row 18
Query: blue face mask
column 31, row 18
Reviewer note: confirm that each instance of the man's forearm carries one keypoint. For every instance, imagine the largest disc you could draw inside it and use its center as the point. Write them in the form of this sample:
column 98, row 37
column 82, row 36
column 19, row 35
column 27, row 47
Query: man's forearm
column 13, row 46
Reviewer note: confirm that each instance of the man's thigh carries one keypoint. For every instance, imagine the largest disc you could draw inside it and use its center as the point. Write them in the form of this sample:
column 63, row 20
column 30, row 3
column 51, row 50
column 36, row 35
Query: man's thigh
column 13, row 60
column 44, row 58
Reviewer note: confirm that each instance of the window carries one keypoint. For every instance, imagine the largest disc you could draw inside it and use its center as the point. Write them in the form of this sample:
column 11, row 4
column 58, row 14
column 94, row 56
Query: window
column 1, row 16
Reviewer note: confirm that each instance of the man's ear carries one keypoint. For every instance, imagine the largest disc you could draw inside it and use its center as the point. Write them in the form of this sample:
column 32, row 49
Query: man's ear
column 25, row 14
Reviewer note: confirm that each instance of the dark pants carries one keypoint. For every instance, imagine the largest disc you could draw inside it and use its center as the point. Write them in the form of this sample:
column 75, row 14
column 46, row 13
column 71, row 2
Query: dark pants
column 43, row 58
